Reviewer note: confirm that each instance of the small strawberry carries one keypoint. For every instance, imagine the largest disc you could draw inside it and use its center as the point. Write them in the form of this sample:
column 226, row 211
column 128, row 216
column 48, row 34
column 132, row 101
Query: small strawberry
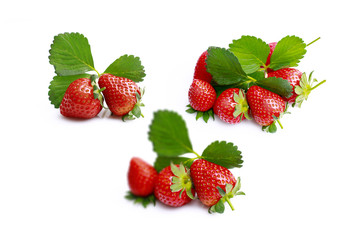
column 231, row 106
column 141, row 177
column 214, row 184
column 200, row 68
column 266, row 107
column 272, row 46
column 292, row 75
column 78, row 100
column 174, row 186
column 201, row 95
column 122, row 96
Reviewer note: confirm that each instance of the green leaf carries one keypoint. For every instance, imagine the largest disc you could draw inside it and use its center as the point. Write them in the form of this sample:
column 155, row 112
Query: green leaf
column 127, row 66
column 169, row 134
column 59, row 85
column 279, row 86
column 224, row 154
column 224, row 66
column 252, row 52
column 162, row 162
column 288, row 52
column 144, row 201
column 70, row 54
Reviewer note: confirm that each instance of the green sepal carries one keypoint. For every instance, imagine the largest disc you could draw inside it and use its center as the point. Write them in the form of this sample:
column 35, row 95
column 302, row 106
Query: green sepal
column 136, row 110
column 205, row 115
column 304, row 88
column 241, row 108
column 144, row 201
column 181, row 180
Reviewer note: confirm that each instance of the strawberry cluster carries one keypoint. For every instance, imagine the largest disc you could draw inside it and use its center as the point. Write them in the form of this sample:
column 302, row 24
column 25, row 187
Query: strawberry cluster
column 250, row 80
column 175, row 180
column 75, row 89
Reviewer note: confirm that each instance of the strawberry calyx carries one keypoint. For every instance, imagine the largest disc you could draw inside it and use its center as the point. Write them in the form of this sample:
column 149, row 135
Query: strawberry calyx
column 136, row 110
column 304, row 88
column 226, row 196
column 242, row 107
column 144, row 201
column 96, row 90
column 206, row 115
column 181, row 180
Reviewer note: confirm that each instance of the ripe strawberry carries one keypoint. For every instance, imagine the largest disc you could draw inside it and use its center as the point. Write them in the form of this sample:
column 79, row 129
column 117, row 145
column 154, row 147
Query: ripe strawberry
column 141, row 177
column 173, row 186
column 292, row 75
column 122, row 96
column 231, row 106
column 214, row 184
column 78, row 100
column 272, row 46
column 265, row 106
column 200, row 69
column 201, row 95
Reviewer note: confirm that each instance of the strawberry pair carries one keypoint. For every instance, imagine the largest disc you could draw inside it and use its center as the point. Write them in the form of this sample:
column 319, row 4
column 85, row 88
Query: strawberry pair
column 83, row 98
column 176, row 185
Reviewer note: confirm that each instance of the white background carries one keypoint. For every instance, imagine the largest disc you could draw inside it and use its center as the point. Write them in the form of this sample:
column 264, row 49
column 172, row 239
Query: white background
column 66, row 179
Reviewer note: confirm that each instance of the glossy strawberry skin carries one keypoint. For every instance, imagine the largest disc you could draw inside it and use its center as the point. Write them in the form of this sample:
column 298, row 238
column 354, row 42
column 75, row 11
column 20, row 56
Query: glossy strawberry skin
column 201, row 95
column 78, row 100
column 272, row 46
column 141, row 177
column 292, row 75
column 200, row 71
column 119, row 93
column 224, row 106
column 264, row 105
column 206, row 177
column 163, row 192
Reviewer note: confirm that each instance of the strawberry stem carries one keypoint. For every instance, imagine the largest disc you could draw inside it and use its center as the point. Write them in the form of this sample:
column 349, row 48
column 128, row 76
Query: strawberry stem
column 318, row 84
column 313, row 41
column 230, row 204
column 279, row 123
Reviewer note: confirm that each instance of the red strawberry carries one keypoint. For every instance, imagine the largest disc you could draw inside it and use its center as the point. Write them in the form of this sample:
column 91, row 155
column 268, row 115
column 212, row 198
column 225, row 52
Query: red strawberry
column 214, row 184
column 122, row 96
column 231, row 106
column 272, row 46
column 173, row 186
column 265, row 106
column 292, row 75
column 141, row 177
column 79, row 101
column 200, row 69
column 201, row 95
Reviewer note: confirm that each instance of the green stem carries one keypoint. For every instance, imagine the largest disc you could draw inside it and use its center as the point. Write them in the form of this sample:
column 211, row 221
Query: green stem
column 230, row 204
column 280, row 124
column 318, row 84
column 313, row 41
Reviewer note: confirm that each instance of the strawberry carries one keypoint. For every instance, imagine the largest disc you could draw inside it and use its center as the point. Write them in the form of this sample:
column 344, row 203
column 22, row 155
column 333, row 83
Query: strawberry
column 231, row 106
column 292, row 75
column 265, row 106
column 122, row 96
column 141, row 177
column 174, row 186
column 272, row 46
column 200, row 69
column 78, row 100
column 214, row 184
column 201, row 95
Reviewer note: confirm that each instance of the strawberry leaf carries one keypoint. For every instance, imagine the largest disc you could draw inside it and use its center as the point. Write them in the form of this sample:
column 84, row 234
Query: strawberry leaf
column 288, row 52
column 224, row 66
column 252, row 52
column 162, row 162
column 70, row 54
column 144, row 201
column 59, row 85
column 279, row 86
column 127, row 66
column 224, row 154
column 169, row 134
